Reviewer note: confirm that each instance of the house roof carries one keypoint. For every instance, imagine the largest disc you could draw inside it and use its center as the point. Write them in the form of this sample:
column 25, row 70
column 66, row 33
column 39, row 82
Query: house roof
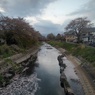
column 90, row 29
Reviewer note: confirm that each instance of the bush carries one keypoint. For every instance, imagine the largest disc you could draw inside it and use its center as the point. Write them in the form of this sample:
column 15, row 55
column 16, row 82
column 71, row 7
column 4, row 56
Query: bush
column 17, row 31
column 6, row 51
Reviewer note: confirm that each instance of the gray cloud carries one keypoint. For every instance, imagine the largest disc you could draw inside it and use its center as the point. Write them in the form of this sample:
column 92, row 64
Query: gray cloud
column 24, row 7
column 46, row 27
column 87, row 10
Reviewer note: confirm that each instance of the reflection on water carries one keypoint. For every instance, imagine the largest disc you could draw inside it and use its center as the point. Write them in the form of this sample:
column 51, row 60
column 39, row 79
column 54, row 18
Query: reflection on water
column 49, row 72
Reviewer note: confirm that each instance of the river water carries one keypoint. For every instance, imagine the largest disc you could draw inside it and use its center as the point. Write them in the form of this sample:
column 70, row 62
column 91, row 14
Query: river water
column 49, row 73
column 45, row 77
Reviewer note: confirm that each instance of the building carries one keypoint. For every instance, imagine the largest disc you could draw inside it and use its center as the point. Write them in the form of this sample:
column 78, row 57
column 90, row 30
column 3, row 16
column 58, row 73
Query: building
column 88, row 36
column 70, row 37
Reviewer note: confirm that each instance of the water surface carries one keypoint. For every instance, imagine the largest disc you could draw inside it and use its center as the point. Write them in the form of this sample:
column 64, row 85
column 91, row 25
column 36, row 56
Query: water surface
column 49, row 71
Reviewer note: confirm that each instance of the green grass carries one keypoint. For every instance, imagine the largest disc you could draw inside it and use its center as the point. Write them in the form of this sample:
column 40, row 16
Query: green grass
column 6, row 51
column 88, row 53
column 15, row 67
column 55, row 43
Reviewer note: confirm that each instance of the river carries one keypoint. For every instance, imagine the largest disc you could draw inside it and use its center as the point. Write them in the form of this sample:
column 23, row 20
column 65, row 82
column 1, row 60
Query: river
column 44, row 79
column 49, row 73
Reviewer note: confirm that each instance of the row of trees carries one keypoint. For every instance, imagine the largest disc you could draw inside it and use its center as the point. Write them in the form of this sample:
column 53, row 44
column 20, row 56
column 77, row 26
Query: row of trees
column 76, row 27
column 18, row 31
column 58, row 37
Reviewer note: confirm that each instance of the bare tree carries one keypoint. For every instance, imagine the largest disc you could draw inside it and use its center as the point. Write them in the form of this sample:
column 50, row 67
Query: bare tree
column 78, row 25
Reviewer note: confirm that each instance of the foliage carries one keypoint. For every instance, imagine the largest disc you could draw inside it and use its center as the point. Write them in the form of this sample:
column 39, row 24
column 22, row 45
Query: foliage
column 56, row 43
column 16, row 67
column 87, row 53
column 17, row 31
column 6, row 51
column 58, row 37
column 51, row 36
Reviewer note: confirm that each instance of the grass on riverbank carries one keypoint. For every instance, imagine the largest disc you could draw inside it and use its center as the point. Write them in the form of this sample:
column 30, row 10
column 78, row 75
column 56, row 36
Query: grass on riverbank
column 88, row 53
column 6, row 51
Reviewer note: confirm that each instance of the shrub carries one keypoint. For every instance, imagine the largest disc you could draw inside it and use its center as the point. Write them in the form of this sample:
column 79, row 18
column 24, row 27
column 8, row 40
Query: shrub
column 5, row 51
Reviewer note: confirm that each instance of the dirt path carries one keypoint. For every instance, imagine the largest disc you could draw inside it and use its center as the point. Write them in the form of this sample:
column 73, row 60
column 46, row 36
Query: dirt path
column 87, row 87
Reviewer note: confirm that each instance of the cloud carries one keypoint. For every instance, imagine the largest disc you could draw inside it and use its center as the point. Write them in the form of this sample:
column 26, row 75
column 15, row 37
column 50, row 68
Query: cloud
column 1, row 10
column 87, row 10
column 24, row 7
column 31, row 19
column 45, row 27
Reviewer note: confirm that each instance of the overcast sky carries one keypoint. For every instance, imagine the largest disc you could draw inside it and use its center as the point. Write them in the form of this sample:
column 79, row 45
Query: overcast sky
column 49, row 16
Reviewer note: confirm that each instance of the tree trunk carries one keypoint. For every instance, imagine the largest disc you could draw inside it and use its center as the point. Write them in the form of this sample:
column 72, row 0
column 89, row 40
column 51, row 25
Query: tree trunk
column 79, row 40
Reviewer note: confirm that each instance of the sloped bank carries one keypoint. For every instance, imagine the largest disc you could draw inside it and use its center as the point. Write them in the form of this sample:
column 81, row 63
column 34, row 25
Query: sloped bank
column 84, row 69
column 17, row 65
column 71, row 75
column 78, row 50
column 84, row 54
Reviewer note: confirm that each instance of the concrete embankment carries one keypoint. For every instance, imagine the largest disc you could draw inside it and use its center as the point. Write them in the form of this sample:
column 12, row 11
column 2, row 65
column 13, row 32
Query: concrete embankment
column 16, row 64
column 82, row 74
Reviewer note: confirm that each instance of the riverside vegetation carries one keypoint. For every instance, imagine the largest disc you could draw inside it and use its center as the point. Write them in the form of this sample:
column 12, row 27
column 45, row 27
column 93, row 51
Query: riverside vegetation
column 16, row 37
column 78, row 50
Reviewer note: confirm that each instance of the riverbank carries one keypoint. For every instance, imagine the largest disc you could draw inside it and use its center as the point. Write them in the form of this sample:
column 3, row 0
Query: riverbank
column 78, row 50
column 82, row 74
column 16, row 64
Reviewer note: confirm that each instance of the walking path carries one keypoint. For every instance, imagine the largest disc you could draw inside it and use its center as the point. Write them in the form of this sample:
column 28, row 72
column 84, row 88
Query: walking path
column 84, row 80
